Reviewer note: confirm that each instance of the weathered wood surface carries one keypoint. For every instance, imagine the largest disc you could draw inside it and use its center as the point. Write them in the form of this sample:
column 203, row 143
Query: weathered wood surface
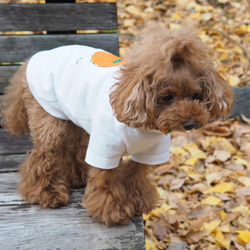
column 9, row 163
column 19, row 48
column 11, row 144
column 25, row 226
column 241, row 102
column 6, row 72
column 58, row 17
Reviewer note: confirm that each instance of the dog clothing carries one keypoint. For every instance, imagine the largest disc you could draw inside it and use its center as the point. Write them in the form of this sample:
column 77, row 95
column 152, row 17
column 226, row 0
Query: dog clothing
column 73, row 83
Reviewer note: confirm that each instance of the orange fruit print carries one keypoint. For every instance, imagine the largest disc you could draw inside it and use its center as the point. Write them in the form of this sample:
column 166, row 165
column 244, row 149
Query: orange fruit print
column 105, row 59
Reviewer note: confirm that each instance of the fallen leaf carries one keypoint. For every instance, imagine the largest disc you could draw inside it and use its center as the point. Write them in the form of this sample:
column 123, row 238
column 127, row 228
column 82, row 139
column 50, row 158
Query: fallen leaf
column 221, row 155
column 133, row 10
column 243, row 191
column 211, row 200
column 163, row 169
column 243, row 236
column 195, row 236
column 225, row 228
column 149, row 244
column 245, row 181
column 160, row 228
column 221, row 240
column 211, row 226
column 192, row 161
column 176, row 184
column 194, row 151
column 222, row 188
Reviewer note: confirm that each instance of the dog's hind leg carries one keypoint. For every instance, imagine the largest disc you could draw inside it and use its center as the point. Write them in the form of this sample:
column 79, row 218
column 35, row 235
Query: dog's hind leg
column 43, row 179
column 75, row 150
column 13, row 109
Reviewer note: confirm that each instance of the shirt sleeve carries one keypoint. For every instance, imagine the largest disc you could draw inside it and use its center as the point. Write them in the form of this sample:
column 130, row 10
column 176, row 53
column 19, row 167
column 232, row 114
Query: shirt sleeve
column 105, row 147
column 158, row 153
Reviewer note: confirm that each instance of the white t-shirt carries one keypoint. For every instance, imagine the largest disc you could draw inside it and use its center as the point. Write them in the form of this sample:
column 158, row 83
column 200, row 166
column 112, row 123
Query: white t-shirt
column 73, row 83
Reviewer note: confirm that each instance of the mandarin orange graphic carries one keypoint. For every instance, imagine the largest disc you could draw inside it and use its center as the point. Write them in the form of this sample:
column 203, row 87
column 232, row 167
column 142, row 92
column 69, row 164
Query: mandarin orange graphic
column 104, row 59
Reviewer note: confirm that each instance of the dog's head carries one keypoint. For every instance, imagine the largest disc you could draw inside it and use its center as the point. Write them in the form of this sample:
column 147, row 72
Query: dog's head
column 168, row 83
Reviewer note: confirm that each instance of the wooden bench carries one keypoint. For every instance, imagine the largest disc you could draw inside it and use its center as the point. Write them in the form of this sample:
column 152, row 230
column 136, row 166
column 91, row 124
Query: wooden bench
column 27, row 226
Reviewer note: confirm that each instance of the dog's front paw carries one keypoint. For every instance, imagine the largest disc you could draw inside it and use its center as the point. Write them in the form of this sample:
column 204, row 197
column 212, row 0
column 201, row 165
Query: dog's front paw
column 108, row 207
column 49, row 199
column 144, row 198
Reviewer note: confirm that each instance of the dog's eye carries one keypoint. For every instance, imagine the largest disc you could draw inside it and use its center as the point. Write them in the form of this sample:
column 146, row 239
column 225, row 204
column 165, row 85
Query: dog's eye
column 168, row 98
column 196, row 96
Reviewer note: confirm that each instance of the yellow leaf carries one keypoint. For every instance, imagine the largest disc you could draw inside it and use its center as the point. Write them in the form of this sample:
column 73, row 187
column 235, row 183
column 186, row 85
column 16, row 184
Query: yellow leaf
column 194, row 151
column 133, row 10
column 211, row 226
column 191, row 161
column 228, row 146
column 234, row 80
column 221, row 240
column 224, row 57
column 243, row 236
column 174, row 26
column 128, row 22
column 245, row 180
column 240, row 161
column 198, row 7
column 225, row 228
column 177, row 150
column 206, row 16
column 242, row 209
column 195, row 176
column 219, row 236
column 211, row 200
column 195, row 16
column 176, row 16
column 225, row 187
column 205, row 38
column 241, row 30
column 149, row 244
column 223, row 215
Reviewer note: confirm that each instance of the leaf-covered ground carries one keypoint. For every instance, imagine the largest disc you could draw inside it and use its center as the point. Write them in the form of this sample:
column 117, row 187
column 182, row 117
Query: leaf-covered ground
column 205, row 186
column 205, row 190
column 223, row 24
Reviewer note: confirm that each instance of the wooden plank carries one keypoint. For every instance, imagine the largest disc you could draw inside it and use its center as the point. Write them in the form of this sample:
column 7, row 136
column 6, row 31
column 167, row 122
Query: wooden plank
column 28, row 226
column 11, row 144
column 19, row 48
column 10, row 163
column 6, row 72
column 241, row 102
column 58, row 17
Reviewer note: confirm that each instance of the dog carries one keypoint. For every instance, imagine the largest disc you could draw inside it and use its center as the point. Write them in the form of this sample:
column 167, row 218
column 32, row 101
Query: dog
column 85, row 108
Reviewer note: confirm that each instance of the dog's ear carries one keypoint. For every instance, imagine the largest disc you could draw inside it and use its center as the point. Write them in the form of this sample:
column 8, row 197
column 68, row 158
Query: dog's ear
column 218, row 94
column 133, row 98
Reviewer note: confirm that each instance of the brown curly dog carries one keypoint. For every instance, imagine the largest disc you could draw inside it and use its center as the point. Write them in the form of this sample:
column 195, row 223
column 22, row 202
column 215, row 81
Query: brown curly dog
column 166, row 83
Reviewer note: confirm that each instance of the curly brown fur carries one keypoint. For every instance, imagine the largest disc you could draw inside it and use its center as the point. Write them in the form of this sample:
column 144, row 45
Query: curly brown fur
column 115, row 196
column 56, row 162
column 169, row 63
column 167, row 82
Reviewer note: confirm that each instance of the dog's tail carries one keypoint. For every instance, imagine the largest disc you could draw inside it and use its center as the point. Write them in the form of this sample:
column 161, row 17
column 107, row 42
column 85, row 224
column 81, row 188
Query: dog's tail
column 13, row 112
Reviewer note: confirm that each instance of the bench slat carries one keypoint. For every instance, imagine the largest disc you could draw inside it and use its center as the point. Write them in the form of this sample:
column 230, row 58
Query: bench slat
column 11, row 144
column 31, row 227
column 19, row 48
column 9, row 163
column 6, row 72
column 38, row 17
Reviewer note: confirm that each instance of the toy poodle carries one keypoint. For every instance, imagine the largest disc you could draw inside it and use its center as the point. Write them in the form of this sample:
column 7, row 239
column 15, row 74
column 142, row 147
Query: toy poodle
column 86, row 108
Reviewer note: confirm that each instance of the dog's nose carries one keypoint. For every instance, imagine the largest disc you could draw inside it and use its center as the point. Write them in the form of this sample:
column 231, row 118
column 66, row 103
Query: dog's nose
column 189, row 125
